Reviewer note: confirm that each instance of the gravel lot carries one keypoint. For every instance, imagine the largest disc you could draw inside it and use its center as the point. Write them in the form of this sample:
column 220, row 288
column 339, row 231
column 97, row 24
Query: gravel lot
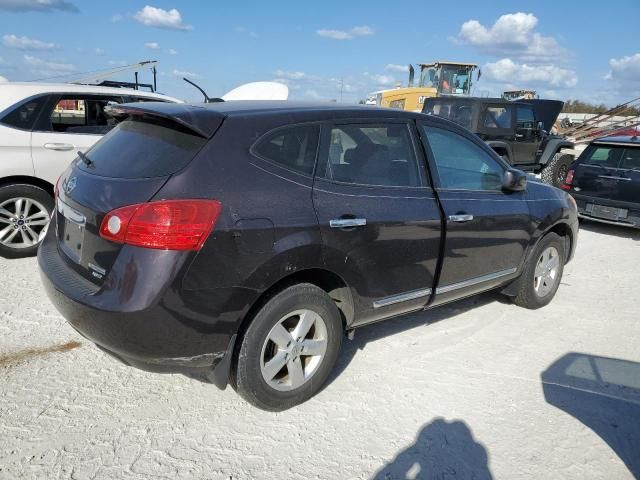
column 479, row 388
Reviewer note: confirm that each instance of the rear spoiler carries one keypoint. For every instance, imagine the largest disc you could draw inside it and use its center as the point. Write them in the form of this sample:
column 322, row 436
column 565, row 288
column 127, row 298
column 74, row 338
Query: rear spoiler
column 200, row 121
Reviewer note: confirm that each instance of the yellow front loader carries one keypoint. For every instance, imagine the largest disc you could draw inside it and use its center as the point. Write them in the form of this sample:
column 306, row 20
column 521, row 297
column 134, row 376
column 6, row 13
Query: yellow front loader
column 436, row 79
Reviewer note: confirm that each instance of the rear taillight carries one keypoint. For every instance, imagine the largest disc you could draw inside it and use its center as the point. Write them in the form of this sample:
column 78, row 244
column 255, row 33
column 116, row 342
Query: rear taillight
column 568, row 181
column 164, row 224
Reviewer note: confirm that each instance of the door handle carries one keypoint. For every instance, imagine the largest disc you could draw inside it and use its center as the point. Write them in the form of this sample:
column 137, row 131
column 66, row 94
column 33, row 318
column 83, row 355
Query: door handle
column 519, row 135
column 61, row 147
column 347, row 222
column 460, row 218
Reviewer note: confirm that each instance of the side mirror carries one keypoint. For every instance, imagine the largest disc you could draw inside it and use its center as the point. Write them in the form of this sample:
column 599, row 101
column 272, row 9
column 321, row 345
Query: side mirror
column 514, row 180
column 540, row 126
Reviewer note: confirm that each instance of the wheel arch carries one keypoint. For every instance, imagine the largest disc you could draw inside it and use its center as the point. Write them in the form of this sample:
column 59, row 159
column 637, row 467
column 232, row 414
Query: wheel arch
column 27, row 180
column 552, row 147
column 322, row 278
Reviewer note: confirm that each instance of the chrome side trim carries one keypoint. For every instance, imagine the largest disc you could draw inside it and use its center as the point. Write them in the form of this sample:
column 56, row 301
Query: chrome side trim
column 475, row 281
column 402, row 297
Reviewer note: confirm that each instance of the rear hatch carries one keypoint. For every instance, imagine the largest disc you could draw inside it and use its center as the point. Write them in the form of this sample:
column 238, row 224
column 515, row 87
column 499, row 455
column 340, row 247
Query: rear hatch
column 128, row 166
column 608, row 173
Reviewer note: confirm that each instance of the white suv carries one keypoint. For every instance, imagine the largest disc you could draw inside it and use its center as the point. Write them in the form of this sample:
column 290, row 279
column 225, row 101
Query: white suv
column 42, row 128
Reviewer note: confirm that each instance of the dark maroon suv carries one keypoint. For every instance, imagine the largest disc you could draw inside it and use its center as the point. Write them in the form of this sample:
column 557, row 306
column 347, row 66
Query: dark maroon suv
column 239, row 241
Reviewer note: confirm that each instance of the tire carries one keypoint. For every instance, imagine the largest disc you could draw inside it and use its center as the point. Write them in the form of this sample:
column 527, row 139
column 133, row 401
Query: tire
column 555, row 172
column 29, row 208
column 257, row 377
column 538, row 290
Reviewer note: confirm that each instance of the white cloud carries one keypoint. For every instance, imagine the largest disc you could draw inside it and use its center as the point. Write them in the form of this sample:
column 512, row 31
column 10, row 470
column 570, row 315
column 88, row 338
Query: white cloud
column 357, row 31
column 381, row 80
column 289, row 75
column 116, row 18
column 157, row 17
column 152, row 45
column 53, row 66
column 184, row 73
column 26, row 43
column 511, row 34
column 312, row 93
column 392, row 67
column 99, row 51
column 625, row 69
column 508, row 71
column 37, row 5
column 246, row 31
column 3, row 79
column 172, row 51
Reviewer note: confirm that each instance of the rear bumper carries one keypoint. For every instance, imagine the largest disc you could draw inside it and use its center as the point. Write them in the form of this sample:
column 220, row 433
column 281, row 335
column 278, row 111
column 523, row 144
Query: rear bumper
column 632, row 218
column 143, row 318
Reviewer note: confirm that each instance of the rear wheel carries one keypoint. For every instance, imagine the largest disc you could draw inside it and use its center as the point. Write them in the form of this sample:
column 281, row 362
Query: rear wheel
column 289, row 348
column 24, row 216
column 542, row 274
column 555, row 172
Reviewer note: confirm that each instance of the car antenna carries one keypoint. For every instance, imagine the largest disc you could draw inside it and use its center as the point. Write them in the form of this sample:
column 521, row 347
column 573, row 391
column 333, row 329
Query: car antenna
column 207, row 99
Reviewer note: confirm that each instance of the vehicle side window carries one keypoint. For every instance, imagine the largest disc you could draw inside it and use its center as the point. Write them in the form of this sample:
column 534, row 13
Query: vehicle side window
column 371, row 155
column 461, row 163
column 497, row 117
column 525, row 118
column 631, row 159
column 605, row 156
column 73, row 114
column 25, row 115
column 292, row 147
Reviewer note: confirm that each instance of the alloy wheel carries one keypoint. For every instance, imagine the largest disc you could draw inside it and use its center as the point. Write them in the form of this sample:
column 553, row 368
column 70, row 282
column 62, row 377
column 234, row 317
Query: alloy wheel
column 293, row 350
column 23, row 222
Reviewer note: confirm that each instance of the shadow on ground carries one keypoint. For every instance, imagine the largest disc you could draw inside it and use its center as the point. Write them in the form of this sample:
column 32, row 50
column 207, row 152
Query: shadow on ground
column 442, row 450
column 606, row 229
column 393, row 326
column 604, row 394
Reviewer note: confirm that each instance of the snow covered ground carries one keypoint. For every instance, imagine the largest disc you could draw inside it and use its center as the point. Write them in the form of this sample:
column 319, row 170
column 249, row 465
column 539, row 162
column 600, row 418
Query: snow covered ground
column 479, row 388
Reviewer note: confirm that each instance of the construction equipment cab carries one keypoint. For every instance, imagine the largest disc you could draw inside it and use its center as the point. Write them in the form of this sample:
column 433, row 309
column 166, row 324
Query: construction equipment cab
column 517, row 131
column 436, row 79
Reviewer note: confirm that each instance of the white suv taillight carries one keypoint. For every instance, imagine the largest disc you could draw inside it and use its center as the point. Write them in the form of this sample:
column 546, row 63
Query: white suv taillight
column 164, row 224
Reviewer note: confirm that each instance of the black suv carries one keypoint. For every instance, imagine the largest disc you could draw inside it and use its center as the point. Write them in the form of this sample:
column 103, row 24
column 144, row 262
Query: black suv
column 239, row 241
column 605, row 181
column 517, row 131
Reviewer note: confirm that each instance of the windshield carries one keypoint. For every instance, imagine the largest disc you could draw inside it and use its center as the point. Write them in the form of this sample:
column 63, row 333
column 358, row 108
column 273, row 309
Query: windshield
column 428, row 77
column 455, row 80
column 456, row 111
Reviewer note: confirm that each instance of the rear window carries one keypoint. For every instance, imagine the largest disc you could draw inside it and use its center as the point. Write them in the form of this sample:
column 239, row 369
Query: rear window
column 136, row 149
column 24, row 116
column 291, row 147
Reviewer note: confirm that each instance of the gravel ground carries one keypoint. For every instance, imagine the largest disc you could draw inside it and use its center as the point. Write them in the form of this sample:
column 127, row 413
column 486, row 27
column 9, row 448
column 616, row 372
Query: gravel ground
column 479, row 389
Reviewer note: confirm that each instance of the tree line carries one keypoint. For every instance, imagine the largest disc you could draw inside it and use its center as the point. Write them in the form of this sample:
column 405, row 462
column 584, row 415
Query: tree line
column 578, row 106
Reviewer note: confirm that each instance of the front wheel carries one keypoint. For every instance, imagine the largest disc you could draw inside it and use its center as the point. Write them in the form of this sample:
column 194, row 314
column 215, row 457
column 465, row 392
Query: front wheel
column 24, row 216
column 289, row 348
column 542, row 273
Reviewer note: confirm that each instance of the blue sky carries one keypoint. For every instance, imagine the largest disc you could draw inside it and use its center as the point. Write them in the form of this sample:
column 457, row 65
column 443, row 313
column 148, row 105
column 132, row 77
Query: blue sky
column 562, row 49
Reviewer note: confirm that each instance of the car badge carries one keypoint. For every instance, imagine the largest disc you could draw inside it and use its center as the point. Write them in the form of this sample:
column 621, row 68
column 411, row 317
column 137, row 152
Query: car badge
column 71, row 185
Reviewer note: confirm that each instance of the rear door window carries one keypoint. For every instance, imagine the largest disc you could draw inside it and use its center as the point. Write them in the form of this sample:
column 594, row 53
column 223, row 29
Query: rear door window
column 498, row 117
column 292, row 147
column 135, row 149
column 372, row 154
column 603, row 155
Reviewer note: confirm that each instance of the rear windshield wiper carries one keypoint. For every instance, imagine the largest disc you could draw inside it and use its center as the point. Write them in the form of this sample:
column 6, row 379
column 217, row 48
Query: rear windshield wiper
column 83, row 156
